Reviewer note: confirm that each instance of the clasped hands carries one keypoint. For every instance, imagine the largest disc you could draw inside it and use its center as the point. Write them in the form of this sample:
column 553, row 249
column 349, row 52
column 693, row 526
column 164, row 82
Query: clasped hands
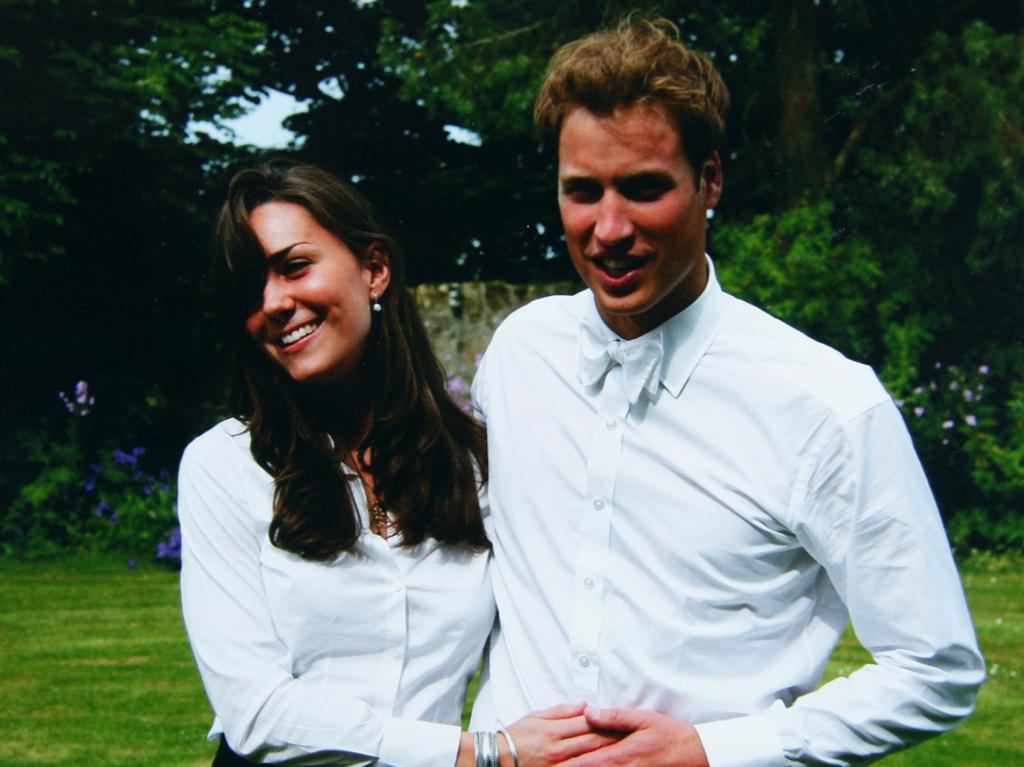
column 577, row 735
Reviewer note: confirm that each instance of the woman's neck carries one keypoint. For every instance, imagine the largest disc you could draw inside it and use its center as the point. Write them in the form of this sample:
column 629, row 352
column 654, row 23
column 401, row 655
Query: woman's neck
column 345, row 411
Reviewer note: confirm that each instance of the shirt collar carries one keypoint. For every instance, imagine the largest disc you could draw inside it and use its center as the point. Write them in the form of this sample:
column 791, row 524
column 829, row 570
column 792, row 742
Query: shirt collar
column 685, row 337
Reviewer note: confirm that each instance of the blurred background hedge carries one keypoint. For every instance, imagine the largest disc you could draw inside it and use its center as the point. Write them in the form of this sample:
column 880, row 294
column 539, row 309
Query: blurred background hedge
column 873, row 198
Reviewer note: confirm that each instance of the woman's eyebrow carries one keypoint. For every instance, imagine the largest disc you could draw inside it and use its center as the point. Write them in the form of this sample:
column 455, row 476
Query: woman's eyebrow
column 279, row 255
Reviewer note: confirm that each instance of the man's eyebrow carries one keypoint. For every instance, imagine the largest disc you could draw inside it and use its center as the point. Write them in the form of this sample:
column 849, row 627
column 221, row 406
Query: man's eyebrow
column 576, row 178
column 644, row 177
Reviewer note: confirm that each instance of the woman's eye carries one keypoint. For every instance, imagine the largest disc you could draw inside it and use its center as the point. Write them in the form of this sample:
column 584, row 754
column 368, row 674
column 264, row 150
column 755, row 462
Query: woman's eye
column 295, row 266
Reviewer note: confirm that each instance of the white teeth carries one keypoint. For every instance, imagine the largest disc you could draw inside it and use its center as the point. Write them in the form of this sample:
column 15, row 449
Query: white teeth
column 298, row 333
column 617, row 266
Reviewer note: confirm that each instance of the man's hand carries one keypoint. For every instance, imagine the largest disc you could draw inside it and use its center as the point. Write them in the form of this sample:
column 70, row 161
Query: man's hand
column 554, row 735
column 650, row 740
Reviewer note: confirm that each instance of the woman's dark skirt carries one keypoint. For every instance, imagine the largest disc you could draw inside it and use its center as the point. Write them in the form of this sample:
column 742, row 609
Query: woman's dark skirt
column 227, row 758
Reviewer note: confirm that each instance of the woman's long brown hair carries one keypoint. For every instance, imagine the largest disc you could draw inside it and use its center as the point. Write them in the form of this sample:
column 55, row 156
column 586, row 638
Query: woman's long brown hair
column 428, row 456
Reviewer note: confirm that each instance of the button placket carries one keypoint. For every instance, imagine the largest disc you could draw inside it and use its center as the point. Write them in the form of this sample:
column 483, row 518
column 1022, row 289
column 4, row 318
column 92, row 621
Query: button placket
column 592, row 556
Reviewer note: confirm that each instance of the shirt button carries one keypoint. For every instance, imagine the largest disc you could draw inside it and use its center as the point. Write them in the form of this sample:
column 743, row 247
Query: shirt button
column 588, row 582
column 584, row 661
column 598, row 504
column 610, row 424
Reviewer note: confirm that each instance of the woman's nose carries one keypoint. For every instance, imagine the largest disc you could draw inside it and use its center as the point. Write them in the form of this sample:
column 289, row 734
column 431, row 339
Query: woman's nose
column 278, row 302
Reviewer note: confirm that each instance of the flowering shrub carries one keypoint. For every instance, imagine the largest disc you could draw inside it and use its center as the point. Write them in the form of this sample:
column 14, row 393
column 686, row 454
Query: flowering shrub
column 87, row 498
column 460, row 374
column 133, row 507
column 968, row 425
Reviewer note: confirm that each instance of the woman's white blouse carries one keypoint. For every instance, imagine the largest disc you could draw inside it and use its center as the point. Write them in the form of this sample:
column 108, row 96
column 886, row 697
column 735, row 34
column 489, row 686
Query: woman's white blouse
column 361, row 660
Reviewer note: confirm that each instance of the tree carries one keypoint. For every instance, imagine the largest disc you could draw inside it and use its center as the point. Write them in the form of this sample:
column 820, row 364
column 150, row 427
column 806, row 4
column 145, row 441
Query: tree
column 103, row 219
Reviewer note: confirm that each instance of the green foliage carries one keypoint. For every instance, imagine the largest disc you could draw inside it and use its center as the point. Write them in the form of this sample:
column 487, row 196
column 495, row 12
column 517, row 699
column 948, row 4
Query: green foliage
column 915, row 252
column 45, row 517
column 87, row 78
column 795, row 266
column 86, row 499
column 968, row 423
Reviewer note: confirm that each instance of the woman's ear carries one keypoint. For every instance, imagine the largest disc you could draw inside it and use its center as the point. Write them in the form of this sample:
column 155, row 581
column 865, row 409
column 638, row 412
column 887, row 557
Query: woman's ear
column 378, row 266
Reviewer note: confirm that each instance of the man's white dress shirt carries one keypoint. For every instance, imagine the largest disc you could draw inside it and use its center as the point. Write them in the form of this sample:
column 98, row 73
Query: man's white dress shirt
column 360, row 660
column 698, row 551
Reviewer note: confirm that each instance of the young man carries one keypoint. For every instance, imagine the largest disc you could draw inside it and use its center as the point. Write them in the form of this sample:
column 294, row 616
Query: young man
column 690, row 498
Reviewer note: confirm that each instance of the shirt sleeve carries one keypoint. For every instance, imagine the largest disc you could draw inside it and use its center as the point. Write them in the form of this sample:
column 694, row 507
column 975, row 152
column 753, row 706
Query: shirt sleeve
column 266, row 713
column 863, row 509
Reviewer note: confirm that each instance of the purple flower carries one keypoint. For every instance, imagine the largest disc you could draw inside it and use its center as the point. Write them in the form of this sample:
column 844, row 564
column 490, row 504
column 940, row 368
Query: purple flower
column 954, row 385
column 102, row 508
column 919, row 411
column 96, row 471
column 983, row 369
column 129, row 459
column 171, row 548
column 948, row 424
column 968, row 395
column 132, row 564
column 970, row 420
column 938, row 366
column 899, row 403
column 67, row 403
column 114, row 518
column 121, row 457
column 457, row 385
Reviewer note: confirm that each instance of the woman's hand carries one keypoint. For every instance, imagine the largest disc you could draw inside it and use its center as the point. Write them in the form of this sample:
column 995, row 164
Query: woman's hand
column 553, row 735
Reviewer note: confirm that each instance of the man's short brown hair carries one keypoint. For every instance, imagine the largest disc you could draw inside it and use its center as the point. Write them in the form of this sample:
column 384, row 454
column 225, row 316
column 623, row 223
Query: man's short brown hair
column 642, row 63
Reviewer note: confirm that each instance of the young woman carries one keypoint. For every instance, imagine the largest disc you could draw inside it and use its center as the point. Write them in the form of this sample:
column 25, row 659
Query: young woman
column 335, row 565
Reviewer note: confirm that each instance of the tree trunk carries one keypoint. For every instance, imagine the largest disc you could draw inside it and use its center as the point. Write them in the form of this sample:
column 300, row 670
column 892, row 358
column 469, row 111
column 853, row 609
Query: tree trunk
column 802, row 157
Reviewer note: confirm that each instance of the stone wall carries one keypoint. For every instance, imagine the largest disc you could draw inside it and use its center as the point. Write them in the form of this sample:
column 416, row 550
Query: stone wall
column 461, row 317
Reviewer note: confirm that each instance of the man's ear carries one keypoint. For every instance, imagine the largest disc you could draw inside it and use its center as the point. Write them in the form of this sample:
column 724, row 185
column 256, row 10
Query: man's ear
column 378, row 264
column 711, row 180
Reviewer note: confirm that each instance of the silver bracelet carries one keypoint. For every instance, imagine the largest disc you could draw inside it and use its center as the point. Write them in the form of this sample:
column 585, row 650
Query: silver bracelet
column 511, row 747
column 492, row 749
column 486, row 745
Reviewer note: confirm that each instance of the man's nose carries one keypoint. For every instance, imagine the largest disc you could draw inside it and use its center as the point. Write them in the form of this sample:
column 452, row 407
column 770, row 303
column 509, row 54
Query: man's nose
column 613, row 224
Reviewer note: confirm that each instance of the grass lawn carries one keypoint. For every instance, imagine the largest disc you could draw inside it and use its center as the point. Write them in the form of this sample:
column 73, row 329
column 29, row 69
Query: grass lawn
column 96, row 670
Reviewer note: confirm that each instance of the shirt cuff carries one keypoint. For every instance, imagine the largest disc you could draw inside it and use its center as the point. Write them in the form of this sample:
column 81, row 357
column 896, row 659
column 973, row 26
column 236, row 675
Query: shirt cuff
column 410, row 743
column 746, row 741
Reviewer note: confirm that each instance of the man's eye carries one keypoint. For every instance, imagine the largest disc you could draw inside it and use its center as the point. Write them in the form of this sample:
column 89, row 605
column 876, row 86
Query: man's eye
column 582, row 191
column 645, row 190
